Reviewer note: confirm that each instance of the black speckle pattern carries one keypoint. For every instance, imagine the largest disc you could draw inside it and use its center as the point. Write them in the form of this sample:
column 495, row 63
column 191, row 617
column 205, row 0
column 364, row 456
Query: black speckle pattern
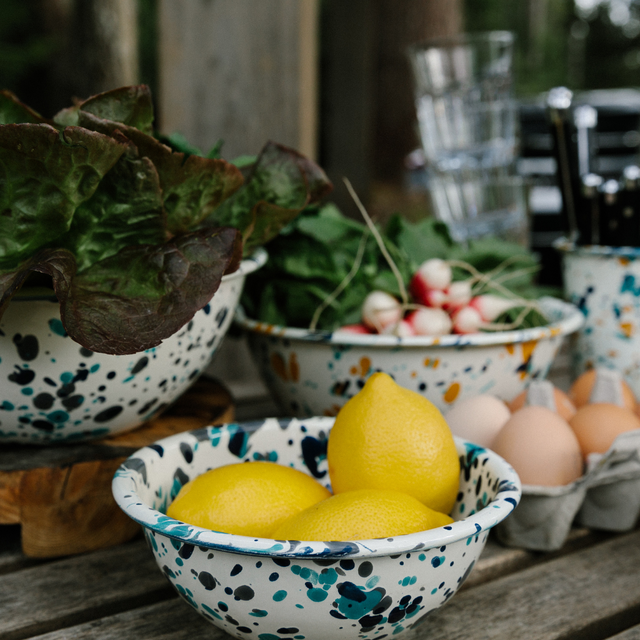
column 56, row 390
column 269, row 589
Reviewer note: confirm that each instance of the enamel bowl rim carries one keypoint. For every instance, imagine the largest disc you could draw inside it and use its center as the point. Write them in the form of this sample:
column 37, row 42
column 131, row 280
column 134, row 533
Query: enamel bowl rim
column 571, row 320
column 571, row 249
column 505, row 501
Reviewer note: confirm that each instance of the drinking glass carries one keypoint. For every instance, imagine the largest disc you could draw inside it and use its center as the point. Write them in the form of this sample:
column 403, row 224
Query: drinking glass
column 476, row 205
column 467, row 116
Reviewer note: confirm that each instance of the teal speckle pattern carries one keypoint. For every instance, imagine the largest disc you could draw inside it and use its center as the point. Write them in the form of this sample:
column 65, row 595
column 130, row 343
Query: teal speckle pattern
column 54, row 390
column 261, row 588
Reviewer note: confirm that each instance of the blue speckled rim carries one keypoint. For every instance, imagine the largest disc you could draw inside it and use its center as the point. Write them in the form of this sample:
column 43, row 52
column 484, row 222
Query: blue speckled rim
column 505, row 501
column 569, row 248
column 566, row 319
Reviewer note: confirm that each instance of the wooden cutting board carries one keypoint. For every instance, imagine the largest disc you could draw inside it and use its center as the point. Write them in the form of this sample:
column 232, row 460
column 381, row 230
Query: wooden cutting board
column 60, row 495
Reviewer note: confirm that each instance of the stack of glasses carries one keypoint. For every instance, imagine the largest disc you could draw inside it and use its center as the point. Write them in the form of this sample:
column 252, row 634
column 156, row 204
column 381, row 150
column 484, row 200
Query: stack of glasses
column 596, row 211
column 468, row 122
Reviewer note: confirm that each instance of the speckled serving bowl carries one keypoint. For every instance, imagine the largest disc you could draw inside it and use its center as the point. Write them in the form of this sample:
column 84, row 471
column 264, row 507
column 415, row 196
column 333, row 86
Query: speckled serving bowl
column 315, row 373
column 54, row 390
column 264, row 588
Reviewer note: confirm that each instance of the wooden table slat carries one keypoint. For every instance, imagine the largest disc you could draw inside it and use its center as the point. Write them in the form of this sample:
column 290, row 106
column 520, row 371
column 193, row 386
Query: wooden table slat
column 571, row 597
column 170, row 620
column 497, row 560
column 77, row 589
column 587, row 594
column 630, row 634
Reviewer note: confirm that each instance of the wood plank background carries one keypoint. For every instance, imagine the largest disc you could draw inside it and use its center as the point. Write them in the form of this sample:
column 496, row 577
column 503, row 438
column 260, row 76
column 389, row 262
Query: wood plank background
column 244, row 72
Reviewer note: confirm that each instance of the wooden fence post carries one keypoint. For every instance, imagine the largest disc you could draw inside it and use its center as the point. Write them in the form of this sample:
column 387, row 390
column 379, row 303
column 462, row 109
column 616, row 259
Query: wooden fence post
column 244, row 72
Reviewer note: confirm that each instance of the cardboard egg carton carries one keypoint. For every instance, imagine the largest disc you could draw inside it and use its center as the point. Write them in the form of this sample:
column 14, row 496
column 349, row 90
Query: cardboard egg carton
column 606, row 497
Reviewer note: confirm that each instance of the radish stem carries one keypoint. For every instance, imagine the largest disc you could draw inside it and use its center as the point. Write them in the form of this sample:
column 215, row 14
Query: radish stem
column 342, row 286
column 376, row 235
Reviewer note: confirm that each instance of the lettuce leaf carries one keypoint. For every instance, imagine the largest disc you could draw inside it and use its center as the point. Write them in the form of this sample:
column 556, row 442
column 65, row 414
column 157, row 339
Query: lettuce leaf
column 133, row 235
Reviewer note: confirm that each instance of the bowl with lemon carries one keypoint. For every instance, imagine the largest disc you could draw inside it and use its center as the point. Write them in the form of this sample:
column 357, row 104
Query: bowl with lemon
column 348, row 527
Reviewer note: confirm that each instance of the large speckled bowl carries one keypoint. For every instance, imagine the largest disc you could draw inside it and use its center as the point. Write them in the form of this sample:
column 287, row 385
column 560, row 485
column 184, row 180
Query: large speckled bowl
column 315, row 373
column 263, row 588
column 54, row 390
column 604, row 282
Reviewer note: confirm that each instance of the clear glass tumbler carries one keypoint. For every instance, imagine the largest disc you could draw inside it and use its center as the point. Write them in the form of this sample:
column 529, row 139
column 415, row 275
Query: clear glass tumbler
column 467, row 115
column 476, row 205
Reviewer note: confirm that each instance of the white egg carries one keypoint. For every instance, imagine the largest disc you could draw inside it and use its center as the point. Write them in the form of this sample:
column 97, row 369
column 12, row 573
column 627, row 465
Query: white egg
column 478, row 419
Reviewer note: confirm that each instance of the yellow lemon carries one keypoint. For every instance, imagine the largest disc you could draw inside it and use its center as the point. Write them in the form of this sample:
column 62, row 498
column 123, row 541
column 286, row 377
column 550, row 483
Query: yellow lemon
column 389, row 437
column 247, row 498
column 361, row 515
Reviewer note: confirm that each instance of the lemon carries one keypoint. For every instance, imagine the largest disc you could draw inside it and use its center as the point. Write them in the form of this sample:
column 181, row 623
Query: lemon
column 248, row 498
column 389, row 437
column 361, row 515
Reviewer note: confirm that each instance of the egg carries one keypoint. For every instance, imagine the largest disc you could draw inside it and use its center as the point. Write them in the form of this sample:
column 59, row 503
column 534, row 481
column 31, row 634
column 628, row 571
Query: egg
column 478, row 418
column 544, row 393
column 541, row 447
column 597, row 425
column 602, row 385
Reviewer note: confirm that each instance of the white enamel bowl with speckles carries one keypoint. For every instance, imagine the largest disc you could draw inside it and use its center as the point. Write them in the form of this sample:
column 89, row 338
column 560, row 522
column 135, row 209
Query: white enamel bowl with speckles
column 315, row 373
column 56, row 391
column 264, row 588
column 604, row 282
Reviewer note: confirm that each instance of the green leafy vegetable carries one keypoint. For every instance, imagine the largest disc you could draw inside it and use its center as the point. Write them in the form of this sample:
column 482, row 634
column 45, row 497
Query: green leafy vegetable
column 134, row 234
column 314, row 254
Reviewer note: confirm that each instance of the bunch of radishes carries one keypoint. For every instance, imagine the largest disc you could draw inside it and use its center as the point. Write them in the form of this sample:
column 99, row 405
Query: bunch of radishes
column 439, row 306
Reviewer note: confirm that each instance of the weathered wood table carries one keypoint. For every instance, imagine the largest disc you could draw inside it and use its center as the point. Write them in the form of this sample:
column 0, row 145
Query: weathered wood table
column 588, row 591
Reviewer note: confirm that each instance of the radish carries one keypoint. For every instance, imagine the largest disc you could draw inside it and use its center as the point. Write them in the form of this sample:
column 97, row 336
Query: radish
column 353, row 328
column 428, row 321
column 436, row 298
column 458, row 295
column 379, row 310
column 436, row 273
column 490, row 306
column 402, row 329
column 467, row 320
column 433, row 274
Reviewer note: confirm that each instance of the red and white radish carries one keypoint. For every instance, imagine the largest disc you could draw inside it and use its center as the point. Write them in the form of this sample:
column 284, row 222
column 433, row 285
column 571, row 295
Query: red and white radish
column 428, row 321
column 403, row 329
column 467, row 320
column 436, row 298
column 459, row 294
column 490, row 306
column 379, row 310
column 433, row 274
column 353, row 328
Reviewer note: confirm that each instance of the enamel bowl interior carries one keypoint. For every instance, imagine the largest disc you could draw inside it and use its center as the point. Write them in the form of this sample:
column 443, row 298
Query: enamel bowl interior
column 265, row 588
column 57, row 391
column 315, row 373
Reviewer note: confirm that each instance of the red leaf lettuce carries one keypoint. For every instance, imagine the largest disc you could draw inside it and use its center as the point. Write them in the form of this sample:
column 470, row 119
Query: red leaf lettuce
column 133, row 235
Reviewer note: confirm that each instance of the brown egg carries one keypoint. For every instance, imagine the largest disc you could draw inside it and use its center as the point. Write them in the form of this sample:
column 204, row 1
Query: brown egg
column 564, row 407
column 580, row 392
column 478, row 418
column 541, row 447
column 597, row 425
